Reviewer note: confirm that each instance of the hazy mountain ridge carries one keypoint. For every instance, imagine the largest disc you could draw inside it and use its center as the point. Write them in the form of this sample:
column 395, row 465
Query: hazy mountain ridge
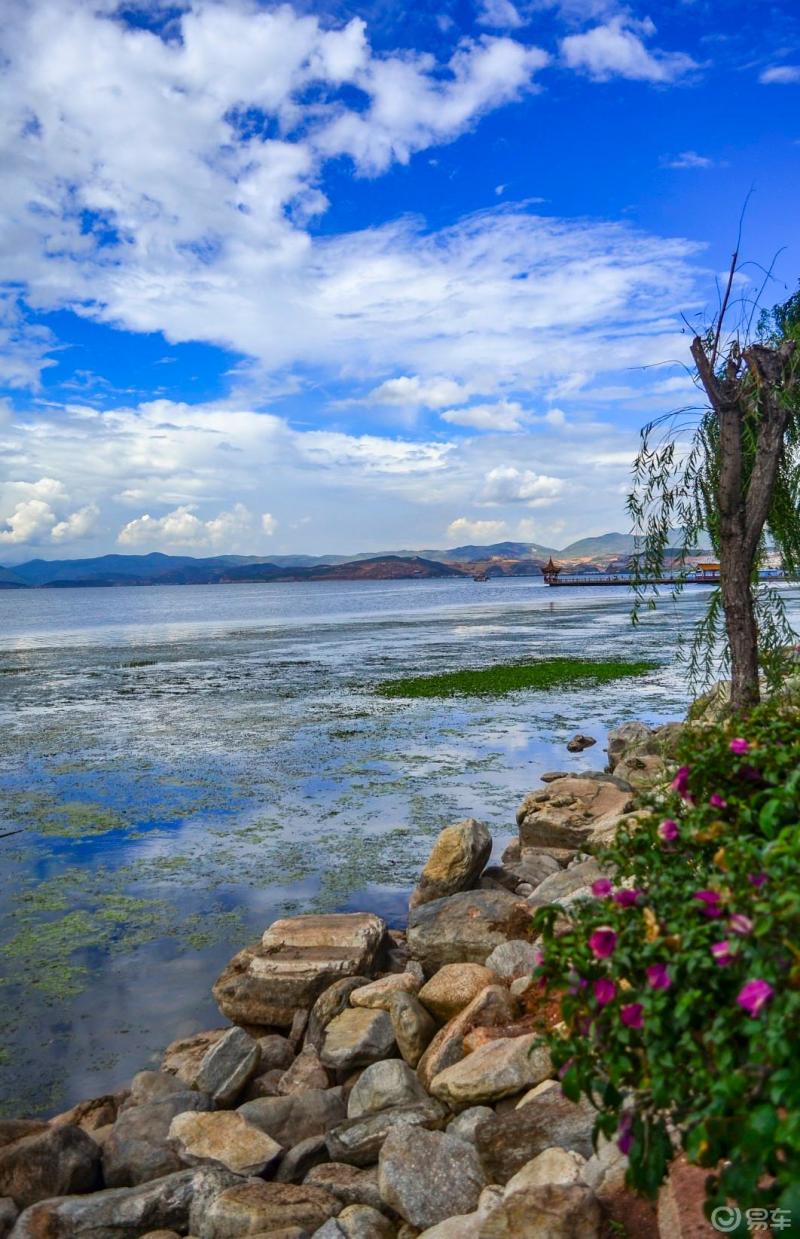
column 496, row 559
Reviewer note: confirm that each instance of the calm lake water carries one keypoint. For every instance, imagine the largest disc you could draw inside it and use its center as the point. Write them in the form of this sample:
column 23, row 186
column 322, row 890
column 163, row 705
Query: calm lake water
column 184, row 764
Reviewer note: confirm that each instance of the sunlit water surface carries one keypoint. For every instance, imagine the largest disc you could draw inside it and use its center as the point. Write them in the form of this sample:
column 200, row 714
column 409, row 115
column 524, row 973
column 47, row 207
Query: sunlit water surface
column 184, row 764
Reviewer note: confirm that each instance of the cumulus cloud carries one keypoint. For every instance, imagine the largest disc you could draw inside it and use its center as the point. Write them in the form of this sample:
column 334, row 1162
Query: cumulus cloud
column 617, row 49
column 780, row 75
column 39, row 515
column 409, row 390
column 499, row 15
column 77, row 525
column 504, row 415
column 507, row 484
column 689, row 159
column 182, row 527
column 269, row 524
column 462, row 529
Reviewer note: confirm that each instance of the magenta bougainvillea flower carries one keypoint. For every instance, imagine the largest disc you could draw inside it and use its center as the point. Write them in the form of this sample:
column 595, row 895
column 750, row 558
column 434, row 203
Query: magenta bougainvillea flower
column 658, row 977
column 627, row 898
column 723, row 952
column 632, row 1015
column 680, row 783
column 717, row 802
column 602, row 942
column 741, row 924
column 625, row 1133
column 739, row 746
column 668, row 830
column 604, row 991
column 756, row 879
column 753, row 995
column 602, row 887
column 710, row 901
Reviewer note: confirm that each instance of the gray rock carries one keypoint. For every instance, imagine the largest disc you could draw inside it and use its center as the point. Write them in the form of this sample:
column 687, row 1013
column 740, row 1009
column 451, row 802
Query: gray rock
column 427, row 1176
column 566, row 885
column 493, row 1007
column 256, row 1207
column 356, row 1038
column 359, row 1141
column 357, row 1222
column 542, row 1120
column 296, row 960
column 334, row 1000
column 305, row 1072
column 556, row 1211
column 8, row 1215
column 138, row 1148
column 124, row 1213
column 51, row 1163
column 299, row 1160
column 147, row 1086
column 12, row 1130
column 383, row 1085
column 498, row 1068
column 413, row 1027
column 513, row 959
column 455, row 863
column 579, row 742
column 465, row 928
column 223, row 1137
column 349, row 1184
column 275, row 1052
column 227, row 1067
column 183, row 1057
column 624, row 737
column 464, row 1125
column 298, row 1116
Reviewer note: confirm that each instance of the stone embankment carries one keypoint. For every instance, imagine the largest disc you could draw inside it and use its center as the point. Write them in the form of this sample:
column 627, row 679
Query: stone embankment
column 370, row 1083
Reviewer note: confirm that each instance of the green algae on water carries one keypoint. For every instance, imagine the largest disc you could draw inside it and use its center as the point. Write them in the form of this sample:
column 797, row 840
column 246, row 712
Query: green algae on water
column 492, row 681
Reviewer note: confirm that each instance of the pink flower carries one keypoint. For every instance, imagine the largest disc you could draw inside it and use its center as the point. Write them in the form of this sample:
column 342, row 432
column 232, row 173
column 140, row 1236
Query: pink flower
column 668, row 830
column 602, row 942
column 710, row 901
column 604, row 991
column 756, row 879
column 626, row 898
column 741, row 924
column 680, row 783
column 717, row 802
column 625, row 1133
column 658, row 977
column 632, row 1015
column 739, row 746
column 723, row 952
column 602, row 887
column 753, row 995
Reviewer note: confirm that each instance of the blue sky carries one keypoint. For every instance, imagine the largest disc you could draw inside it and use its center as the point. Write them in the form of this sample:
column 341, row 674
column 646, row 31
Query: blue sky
column 350, row 277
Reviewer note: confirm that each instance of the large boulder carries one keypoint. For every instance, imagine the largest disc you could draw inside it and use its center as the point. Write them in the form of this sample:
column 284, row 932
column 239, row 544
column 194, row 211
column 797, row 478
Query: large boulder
column 55, row 1162
column 492, row 1007
column 413, row 1027
column 622, row 739
column 224, row 1137
column 297, row 1116
column 455, row 863
column 568, row 885
column 138, row 1148
column 298, row 958
column 569, row 812
column 542, row 1119
column 359, row 1141
column 357, row 1037
column 227, row 1066
column 453, row 987
column 182, row 1058
column 357, row 1222
column 124, row 1213
column 379, row 994
column 256, row 1207
column 427, row 1176
column 305, row 1072
column 465, row 928
column 498, row 1069
column 331, row 1002
column 511, row 960
column 552, row 1211
column 383, row 1085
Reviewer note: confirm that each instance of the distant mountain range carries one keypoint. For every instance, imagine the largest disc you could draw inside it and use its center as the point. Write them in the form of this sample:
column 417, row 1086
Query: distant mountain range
column 498, row 559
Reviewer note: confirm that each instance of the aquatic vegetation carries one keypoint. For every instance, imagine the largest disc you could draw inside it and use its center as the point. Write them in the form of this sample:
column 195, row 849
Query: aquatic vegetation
column 512, row 677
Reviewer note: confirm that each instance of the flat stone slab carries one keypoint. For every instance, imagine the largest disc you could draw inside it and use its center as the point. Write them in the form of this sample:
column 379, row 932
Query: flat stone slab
column 497, row 1069
column 224, row 1137
column 297, row 958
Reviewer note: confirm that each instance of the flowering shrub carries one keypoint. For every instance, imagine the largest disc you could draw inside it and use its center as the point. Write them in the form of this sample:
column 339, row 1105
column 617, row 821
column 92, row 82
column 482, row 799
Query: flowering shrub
column 681, row 976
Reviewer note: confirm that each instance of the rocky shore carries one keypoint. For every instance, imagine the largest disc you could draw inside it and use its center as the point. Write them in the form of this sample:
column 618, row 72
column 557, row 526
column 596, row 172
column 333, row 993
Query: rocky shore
column 369, row 1083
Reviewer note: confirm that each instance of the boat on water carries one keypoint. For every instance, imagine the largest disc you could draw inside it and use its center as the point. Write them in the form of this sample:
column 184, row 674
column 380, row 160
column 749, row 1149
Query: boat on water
column 481, row 576
column 703, row 573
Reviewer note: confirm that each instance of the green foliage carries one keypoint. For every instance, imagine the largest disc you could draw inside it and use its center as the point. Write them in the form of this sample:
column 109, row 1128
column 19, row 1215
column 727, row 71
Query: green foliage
column 658, row 1031
column 510, row 677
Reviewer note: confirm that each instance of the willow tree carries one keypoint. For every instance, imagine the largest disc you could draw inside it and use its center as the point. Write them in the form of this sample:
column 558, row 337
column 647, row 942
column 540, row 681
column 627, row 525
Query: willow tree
column 728, row 474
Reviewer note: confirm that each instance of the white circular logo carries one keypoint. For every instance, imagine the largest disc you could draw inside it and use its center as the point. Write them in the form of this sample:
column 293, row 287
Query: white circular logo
column 725, row 1219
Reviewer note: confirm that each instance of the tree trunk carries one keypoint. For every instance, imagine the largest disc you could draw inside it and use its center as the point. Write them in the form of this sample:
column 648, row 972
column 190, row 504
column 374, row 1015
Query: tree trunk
column 740, row 623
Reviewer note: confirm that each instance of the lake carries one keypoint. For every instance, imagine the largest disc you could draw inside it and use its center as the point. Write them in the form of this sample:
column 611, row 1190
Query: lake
column 185, row 764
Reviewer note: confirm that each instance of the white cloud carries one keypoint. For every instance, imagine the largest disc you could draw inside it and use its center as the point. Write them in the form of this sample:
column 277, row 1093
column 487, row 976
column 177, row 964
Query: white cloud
column 412, row 391
column 616, row 49
column 689, row 159
column 28, row 522
column 269, row 524
column 780, row 75
column 462, row 530
column 499, row 15
column 507, row 484
column 37, row 513
column 505, row 415
column 77, row 525
column 182, row 527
